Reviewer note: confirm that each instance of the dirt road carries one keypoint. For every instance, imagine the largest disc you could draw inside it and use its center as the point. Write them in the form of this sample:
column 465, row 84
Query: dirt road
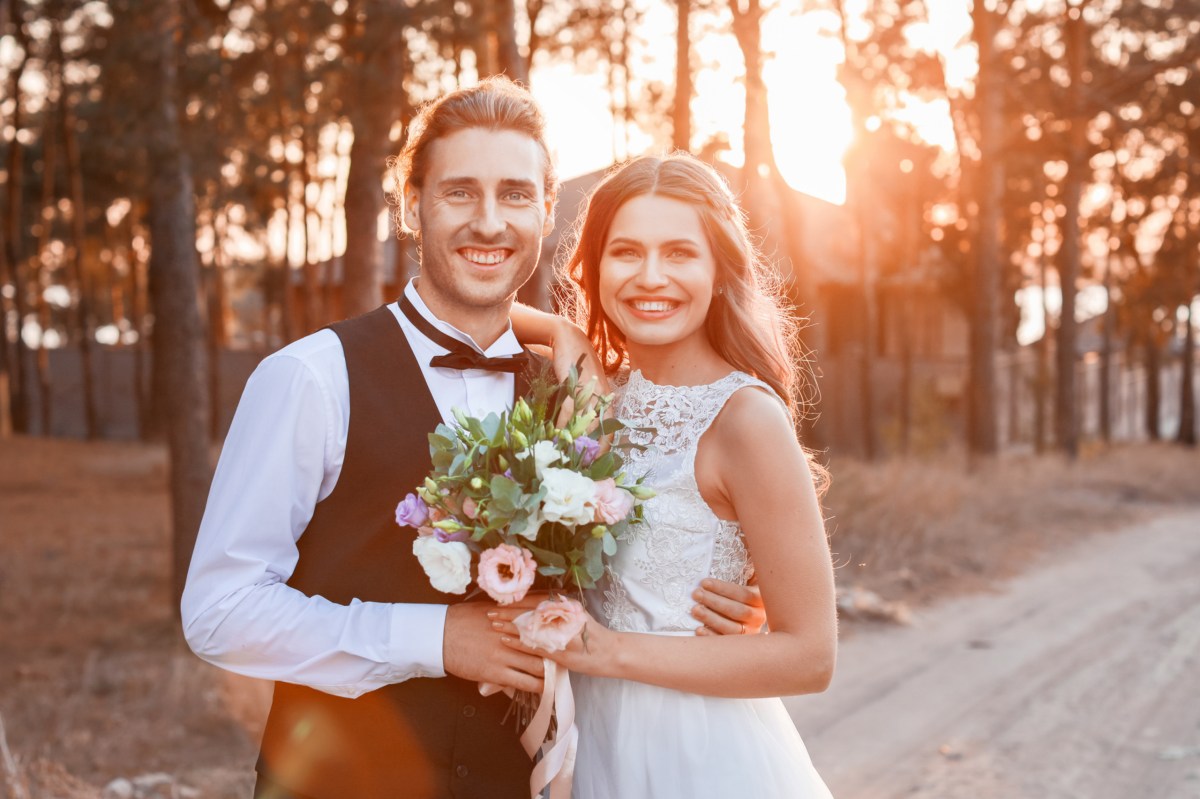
column 1079, row 679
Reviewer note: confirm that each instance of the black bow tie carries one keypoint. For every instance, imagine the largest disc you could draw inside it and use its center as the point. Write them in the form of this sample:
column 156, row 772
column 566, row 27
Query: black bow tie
column 460, row 355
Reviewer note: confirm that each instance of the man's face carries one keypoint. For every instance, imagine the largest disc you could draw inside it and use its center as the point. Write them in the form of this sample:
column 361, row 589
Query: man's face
column 480, row 218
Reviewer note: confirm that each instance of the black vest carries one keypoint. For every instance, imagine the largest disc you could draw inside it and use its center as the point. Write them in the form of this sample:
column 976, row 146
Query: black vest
column 435, row 738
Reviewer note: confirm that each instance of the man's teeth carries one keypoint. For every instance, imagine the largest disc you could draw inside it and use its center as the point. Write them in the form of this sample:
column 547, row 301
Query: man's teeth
column 484, row 257
column 657, row 305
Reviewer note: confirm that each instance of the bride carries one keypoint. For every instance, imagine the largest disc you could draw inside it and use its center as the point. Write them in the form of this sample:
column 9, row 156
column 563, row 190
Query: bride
column 670, row 286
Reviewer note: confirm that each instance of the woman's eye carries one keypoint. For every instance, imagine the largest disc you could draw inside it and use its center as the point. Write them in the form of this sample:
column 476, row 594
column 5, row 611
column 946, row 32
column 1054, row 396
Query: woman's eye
column 680, row 255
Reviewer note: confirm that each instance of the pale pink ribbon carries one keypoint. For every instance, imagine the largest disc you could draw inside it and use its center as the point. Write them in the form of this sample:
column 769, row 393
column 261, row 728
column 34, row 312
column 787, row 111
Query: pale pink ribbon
column 557, row 766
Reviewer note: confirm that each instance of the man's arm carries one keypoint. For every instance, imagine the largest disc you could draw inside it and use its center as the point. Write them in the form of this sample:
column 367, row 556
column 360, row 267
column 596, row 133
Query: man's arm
column 728, row 608
column 282, row 455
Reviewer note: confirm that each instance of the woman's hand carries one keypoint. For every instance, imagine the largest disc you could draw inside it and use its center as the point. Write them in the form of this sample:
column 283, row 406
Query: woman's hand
column 591, row 652
column 569, row 344
column 728, row 608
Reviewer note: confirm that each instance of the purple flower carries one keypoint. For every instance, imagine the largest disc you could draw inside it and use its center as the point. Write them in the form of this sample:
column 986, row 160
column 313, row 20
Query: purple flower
column 412, row 512
column 588, row 448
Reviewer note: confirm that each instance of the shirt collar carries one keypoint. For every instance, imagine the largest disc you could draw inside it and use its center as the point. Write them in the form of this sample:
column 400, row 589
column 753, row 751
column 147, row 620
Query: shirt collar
column 506, row 344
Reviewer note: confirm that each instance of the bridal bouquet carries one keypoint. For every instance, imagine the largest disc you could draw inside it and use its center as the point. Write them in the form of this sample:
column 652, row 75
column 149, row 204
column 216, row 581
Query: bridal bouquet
column 526, row 492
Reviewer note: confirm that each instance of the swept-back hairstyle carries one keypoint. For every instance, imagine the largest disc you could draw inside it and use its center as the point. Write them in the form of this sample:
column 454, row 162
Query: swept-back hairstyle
column 747, row 323
column 495, row 103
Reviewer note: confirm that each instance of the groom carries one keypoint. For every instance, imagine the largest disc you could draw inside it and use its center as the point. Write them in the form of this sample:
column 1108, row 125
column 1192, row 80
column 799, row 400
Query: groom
column 300, row 574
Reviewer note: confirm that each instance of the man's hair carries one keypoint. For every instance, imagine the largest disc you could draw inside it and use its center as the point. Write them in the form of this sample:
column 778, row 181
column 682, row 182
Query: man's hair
column 495, row 103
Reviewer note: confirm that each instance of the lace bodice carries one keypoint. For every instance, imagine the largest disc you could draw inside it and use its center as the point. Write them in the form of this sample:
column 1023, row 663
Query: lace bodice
column 648, row 584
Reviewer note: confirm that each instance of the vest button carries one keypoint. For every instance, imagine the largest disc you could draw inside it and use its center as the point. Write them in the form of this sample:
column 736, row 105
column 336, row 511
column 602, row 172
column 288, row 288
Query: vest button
column 468, row 710
column 462, row 771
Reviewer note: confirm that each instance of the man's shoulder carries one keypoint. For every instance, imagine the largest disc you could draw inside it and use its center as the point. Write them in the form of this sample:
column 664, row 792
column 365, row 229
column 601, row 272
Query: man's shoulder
column 319, row 351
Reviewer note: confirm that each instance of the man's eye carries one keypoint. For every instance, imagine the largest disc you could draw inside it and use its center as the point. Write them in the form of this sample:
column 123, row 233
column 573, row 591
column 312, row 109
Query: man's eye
column 516, row 196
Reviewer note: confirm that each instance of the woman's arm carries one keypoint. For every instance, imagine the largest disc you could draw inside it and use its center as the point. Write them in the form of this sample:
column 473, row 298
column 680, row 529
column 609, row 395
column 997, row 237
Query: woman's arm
column 565, row 340
column 763, row 476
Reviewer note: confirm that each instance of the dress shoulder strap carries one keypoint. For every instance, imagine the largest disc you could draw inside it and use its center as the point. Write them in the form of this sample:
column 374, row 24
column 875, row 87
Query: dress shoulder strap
column 717, row 395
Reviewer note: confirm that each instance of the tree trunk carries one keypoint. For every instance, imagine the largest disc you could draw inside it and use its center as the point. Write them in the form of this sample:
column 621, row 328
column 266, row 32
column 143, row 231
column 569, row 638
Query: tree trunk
column 774, row 209
column 314, row 317
column 1187, row 393
column 983, row 435
column 1106, row 354
column 1153, row 384
column 868, row 248
column 681, row 111
column 508, row 55
column 83, row 303
column 1042, row 380
column 41, row 276
column 377, row 83
column 1066, row 419
column 179, row 362
column 18, row 391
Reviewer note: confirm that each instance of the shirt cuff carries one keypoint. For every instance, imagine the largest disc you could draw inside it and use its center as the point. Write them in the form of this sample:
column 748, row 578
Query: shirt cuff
column 417, row 633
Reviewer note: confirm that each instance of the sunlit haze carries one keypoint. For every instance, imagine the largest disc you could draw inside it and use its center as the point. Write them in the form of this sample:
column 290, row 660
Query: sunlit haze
column 811, row 125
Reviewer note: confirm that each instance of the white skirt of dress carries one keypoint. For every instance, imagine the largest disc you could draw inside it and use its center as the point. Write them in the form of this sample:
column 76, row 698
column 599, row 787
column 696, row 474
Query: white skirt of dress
column 639, row 741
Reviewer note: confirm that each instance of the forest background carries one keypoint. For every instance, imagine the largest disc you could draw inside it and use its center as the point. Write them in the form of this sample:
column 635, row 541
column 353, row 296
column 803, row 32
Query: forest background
column 988, row 212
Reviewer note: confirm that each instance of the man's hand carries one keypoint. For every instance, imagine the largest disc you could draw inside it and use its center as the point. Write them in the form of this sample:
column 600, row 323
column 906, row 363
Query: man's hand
column 471, row 649
column 728, row 609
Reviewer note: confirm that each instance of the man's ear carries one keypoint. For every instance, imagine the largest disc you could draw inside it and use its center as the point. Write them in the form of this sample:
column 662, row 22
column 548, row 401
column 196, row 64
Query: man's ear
column 548, row 225
column 412, row 196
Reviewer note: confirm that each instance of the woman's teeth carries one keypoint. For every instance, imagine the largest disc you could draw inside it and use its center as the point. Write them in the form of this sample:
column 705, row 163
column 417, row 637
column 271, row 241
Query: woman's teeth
column 655, row 306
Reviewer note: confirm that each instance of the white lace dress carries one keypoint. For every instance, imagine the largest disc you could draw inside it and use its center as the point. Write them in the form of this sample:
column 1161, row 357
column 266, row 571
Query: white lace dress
column 639, row 741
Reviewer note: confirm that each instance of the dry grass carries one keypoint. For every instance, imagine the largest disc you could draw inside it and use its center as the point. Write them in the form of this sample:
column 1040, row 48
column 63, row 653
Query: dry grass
column 919, row 529
column 96, row 684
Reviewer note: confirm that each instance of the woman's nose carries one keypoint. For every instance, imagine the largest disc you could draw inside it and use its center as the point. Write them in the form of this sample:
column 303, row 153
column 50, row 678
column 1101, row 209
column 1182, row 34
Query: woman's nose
column 651, row 274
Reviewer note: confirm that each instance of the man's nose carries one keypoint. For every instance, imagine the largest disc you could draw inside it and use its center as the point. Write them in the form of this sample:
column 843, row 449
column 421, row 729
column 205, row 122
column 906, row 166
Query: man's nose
column 488, row 222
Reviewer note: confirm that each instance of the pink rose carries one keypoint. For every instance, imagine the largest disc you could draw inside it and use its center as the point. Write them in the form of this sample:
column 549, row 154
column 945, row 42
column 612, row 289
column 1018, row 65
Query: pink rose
column 506, row 572
column 610, row 503
column 552, row 624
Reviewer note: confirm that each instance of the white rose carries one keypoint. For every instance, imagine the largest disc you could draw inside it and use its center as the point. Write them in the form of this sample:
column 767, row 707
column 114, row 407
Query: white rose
column 545, row 454
column 448, row 564
column 568, row 497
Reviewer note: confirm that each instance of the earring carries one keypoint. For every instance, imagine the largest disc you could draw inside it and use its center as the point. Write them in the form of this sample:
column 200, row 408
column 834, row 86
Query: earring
column 720, row 290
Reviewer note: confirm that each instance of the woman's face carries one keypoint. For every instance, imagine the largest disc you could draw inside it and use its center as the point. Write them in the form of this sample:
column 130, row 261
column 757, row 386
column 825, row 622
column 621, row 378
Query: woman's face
column 657, row 272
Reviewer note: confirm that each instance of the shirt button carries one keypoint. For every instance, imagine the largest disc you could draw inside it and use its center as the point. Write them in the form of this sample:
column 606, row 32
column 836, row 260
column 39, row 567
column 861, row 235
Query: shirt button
column 468, row 710
column 462, row 771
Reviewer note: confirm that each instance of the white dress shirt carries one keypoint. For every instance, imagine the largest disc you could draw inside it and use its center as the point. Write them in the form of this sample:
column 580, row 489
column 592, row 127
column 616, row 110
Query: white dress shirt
column 283, row 455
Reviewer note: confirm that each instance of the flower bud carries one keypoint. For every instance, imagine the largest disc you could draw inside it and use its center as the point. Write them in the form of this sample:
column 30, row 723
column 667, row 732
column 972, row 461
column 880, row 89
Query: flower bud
column 640, row 491
column 522, row 413
column 519, row 440
column 448, row 525
column 477, row 483
column 599, row 530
